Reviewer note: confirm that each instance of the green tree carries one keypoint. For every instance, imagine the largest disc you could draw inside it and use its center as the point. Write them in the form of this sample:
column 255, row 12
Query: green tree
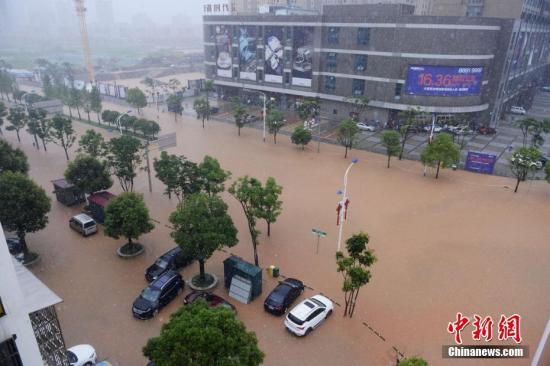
column 34, row 125
column 149, row 129
column 202, row 108
column 92, row 143
column 152, row 83
column 413, row 361
column 275, row 120
column 524, row 161
column 75, row 100
column 526, row 126
column 23, row 208
column 42, row 129
column 88, row 174
column 441, row 153
column 359, row 105
column 301, row 136
column 201, row 225
column 217, row 337
column 309, row 108
column 13, row 160
column 174, row 85
column 136, row 98
column 547, row 171
column 124, row 159
column 7, row 84
column 86, row 103
column 173, row 104
column 126, row 215
column 355, row 269
column 95, row 102
column 391, row 141
column 346, row 133
column 47, row 87
column 208, row 87
column 110, row 116
column 128, row 122
column 270, row 206
column 167, row 170
column 3, row 114
column 249, row 192
column 406, row 126
column 537, row 130
column 18, row 120
column 239, row 113
column 62, row 133
column 212, row 175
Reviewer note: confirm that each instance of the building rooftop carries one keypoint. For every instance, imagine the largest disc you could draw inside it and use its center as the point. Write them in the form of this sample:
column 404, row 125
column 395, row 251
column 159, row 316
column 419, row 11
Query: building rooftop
column 37, row 295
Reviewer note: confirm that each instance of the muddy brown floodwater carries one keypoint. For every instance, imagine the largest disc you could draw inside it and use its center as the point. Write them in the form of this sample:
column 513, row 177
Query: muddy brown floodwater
column 462, row 243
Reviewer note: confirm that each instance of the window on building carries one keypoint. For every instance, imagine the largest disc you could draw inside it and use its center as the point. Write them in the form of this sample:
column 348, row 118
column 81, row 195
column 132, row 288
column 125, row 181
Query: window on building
column 358, row 87
column 333, row 36
column 287, row 78
column 363, row 36
column 9, row 355
column 398, row 88
column 360, row 63
column 330, row 83
column 332, row 60
column 475, row 8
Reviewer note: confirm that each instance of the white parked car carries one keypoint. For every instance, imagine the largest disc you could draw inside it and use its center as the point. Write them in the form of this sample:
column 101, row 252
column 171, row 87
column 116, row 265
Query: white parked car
column 308, row 315
column 437, row 128
column 82, row 355
column 518, row 110
column 365, row 127
column 546, row 88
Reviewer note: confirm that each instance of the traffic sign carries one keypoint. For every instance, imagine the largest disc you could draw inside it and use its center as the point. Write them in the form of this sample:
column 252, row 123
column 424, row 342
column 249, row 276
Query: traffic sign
column 319, row 233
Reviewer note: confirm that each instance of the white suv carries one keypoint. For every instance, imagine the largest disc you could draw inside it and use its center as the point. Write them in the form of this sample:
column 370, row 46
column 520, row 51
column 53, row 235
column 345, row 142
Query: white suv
column 308, row 315
column 518, row 110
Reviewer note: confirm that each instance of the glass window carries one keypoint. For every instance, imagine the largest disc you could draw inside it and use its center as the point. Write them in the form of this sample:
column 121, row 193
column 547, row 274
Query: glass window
column 398, row 88
column 332, row 60
column 330, row 83
column 358, row 87
column 363, row 36
column 9, row 355
column 360, row 63
column 333, row 36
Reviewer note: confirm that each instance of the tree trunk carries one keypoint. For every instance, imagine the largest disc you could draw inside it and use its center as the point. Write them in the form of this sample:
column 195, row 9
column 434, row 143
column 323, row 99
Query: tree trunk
column 201, row 269
column 354, row 303
column 389, row 157
column 517, row 185
column 98, row 120
column 275, row 138
column 17, row 132
column 44, row 144
column 24, row 247
column 78, row 110
column 36, row 142
column 175, row 116
column 402, row 149
column 437, row 173
column 239, row 130
column 202, row 121
column 256, row 261
column 130, row 244
column 89, row 117
column 268, row 228
column 346, row 153
column 66, row 153
column 70, row 113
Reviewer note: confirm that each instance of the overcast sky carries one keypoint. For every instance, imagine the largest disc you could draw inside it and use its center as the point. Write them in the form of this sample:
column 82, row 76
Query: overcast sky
column 160, row 11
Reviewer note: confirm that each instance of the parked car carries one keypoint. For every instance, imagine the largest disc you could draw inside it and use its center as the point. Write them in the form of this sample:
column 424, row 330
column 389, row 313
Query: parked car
column 174, row 259
column 518, row 110
column 84, row 224
column 486, row 130
column 437, row 128
column 308, row 315
column 546, row 88
column 214, row 110
column 157, row 295
column 543, row 160
column 282, row 296
column 212, row 300
column 249, row 118
column 14, row 246
column 365, row 127
column 82, row 355
column 463, row 130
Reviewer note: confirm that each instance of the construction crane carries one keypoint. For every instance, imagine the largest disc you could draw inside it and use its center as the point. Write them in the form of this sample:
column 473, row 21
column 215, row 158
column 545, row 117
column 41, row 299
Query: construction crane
column 81, row 12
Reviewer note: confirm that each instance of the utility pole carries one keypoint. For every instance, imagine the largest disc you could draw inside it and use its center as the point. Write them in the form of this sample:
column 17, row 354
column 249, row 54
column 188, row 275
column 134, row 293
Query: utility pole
column 81, row 13
column 343, row 204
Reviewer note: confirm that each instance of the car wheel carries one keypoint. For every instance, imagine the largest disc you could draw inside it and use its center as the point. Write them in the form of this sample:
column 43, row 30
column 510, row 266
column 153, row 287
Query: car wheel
column 155, row 313
column 329, row 314
column 88, row 364
column 308, row 331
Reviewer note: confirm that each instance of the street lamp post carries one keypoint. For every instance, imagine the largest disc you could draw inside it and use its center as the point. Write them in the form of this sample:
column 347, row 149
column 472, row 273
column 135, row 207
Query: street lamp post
column 430, row 138
column 117, row 122
column 342, row 205
column 264, row 109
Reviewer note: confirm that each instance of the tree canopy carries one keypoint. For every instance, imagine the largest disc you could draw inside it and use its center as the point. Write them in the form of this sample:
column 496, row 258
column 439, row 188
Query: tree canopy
column 136, row 98
column 275, row 120
column 441, row 153
column 173, row 104
column 88, row 174
column 212, row 175
column 301, row 136
column 346, row 133
column 413, row 361
column 270, row 207
column 124, row 159
column 199, row 335
column 11, row 159
column 390, row 140
column 92, row 143
column 18, row 120
column 62, row 133
column 524, row 161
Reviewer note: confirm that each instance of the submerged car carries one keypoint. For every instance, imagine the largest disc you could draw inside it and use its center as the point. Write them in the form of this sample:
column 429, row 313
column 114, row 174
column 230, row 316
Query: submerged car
column 157, row 295
column 174, row 259
column 308, row 315
column 282, row 296
column 212, row 300
column 82, row 355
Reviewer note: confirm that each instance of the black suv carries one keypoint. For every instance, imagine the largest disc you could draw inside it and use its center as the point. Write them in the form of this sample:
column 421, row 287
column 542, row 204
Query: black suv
column 158, row 294
column 173, row 259
column 283, row 296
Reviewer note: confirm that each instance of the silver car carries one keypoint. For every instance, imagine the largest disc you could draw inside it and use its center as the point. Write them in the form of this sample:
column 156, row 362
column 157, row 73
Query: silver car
column 84, row 224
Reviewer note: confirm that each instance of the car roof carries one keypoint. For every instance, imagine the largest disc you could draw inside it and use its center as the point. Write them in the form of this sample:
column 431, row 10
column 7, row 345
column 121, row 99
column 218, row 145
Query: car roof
column 83, row 218
column 303, row 309
column 171, row 252
column 163, row 279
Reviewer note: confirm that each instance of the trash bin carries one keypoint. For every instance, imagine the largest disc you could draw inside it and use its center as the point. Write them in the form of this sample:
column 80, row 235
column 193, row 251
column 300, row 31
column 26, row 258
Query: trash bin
column 275, row 271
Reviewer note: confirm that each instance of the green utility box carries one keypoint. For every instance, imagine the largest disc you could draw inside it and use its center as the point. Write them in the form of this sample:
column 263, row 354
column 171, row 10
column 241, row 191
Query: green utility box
column 237, row 266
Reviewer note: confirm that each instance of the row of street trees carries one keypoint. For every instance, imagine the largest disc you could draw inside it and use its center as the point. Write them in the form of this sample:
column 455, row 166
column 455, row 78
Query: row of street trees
column 147, row 128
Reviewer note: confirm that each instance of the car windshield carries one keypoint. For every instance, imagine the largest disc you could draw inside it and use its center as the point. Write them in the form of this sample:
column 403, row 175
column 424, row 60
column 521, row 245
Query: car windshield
column 279, row 293
column 161, row 263
column 150, row 294
column 295, row 319
column 89, row 224
column 72, row 357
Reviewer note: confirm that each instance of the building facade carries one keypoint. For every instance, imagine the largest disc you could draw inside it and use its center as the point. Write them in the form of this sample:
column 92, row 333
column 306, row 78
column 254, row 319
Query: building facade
column 398, row 60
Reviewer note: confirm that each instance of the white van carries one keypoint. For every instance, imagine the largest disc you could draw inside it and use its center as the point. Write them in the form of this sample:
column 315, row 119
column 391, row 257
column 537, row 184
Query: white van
column 84, row 224
column 518, row 110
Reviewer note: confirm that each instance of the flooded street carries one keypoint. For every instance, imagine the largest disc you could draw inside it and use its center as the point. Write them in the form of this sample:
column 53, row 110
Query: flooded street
column 462, row 243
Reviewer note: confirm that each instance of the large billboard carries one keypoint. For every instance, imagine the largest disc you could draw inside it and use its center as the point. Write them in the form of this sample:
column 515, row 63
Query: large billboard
column 480, row 162
column 453, row 81
column 223, row 51
column 302, row 56
column 247, row 52
column 274, row 54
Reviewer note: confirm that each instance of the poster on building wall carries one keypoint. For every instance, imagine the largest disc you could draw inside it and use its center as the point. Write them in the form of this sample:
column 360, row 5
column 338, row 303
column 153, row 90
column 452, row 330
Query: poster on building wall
column 274, row 54
column 122, row 92
column 112, row 90
column 223, row 50
column 302, row 56
column 247, row 52
column 102, row 89
column 453, row 81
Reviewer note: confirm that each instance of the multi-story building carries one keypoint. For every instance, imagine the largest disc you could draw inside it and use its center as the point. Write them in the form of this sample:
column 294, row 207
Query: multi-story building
column 442, row 64
column 29, row 330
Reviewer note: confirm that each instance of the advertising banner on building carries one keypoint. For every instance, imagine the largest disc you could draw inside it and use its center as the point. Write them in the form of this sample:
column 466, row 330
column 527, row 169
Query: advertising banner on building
column 455, row 81
column 122, row 91
column 102, row 89
column 274, row 55
column 112, row 90
column 223, row 51
column 302, row 56
column 247, row 52
column 480, row 162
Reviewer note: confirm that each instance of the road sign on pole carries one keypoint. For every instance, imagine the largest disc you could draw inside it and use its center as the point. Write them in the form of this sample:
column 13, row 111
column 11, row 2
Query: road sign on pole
column 320, row 234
